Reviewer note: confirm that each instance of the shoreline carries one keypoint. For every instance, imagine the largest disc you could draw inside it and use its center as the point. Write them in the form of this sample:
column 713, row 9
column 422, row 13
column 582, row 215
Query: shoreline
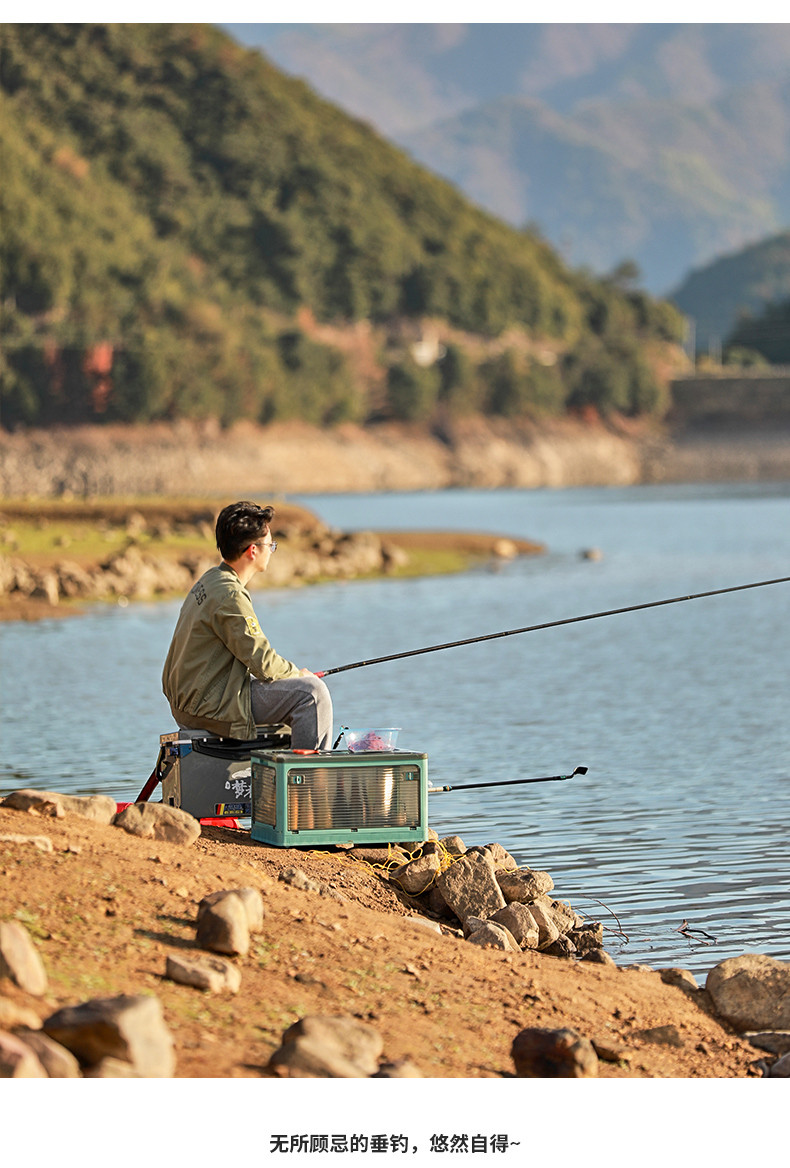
column 59, row 555
column 295, row 459
column 107, row 908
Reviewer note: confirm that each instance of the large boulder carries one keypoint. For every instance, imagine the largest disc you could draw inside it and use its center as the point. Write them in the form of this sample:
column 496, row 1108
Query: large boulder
column 524, row 884
column 158, row 821
column 206, row 972
column 470, row 888
column 130, row 1029
column 251, row 900
column 751, row 992
column 490, row 935
column 553, row 1054
column 223, row 927
column 547, row 927
column 17, row 1060
column 324, row 1047
column 99, row 808
column 58, row 1062
column 19, row 959
column 416, row 876
column 519, row 921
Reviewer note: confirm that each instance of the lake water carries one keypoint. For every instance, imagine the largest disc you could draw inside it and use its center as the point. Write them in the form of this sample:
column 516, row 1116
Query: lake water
column 679, row 712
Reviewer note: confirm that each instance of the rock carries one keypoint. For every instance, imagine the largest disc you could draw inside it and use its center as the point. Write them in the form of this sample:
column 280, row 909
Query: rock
column 128, row 1028
column 424, row 924
column 38, row 802
column 774, row 1041
column 781, row 1068
column 587, row 936
column 564, row 916
column 417, row 875
column 250, row 898
column 46, row 587
column 42, row 842
column 299, row 879
column 504, row 549
column 13, row 1016
column 19, row 959
column 501, row 860
column 519, row 921
column 562, row 947
column 320, row 1046
column 453, row 844
column 553, row 1054
column 490, row 935
column 548, row 932
column 204, row 973
column 682, row 978
column 470, row 888
column 751, row 992
column 73, row 580
column 524, row 885
column 99, row 808
column 599, row 957
column 435, row 903
column 160, row 822
column 222, row 927
column 58, row 1063
column 471, row 924
column 429, row 847
column 17, row 1060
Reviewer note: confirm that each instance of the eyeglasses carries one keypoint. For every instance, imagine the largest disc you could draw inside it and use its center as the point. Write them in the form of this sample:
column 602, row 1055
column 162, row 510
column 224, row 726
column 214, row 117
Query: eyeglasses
column 271, row 546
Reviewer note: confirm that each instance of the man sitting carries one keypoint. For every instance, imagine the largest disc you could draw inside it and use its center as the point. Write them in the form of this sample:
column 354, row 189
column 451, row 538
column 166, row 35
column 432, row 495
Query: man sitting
column 221, row 674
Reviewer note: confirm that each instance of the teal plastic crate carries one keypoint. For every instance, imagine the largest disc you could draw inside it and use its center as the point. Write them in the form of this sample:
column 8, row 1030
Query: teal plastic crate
column 336, row 797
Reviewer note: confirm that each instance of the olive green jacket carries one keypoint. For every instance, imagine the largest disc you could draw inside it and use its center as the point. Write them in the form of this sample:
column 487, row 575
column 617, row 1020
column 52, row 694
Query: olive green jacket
column 216, row 646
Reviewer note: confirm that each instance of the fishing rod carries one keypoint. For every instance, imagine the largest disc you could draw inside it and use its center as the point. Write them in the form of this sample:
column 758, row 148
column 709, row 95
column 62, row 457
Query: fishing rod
column 580, row 770
column 549, row 625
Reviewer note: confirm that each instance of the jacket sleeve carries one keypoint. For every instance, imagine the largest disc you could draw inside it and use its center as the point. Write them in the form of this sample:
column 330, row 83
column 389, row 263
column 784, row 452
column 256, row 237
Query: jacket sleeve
column 237, row 625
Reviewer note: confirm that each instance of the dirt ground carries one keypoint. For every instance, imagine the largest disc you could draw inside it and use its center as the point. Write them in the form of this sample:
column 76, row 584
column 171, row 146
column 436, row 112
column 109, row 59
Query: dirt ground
column 105, row 908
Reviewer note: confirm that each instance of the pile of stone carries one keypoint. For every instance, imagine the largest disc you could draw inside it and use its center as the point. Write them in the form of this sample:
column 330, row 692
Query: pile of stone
column 136, row 573
column 130, row 573
column 493, row 902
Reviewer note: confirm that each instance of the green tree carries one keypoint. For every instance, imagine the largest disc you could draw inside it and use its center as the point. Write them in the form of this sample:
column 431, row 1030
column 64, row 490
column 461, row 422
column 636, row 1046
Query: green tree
column 412, row 390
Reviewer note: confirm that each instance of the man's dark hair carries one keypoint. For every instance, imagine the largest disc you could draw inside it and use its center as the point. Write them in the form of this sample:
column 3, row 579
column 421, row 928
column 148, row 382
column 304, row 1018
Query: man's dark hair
column 239, row 525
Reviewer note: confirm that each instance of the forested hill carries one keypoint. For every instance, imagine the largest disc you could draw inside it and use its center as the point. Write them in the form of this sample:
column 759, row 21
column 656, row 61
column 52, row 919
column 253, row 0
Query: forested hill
column 182, row 224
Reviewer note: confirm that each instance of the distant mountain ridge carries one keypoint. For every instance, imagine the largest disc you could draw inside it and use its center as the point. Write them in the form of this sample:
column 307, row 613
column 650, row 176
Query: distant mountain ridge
column 668, row 144
column 718, row 295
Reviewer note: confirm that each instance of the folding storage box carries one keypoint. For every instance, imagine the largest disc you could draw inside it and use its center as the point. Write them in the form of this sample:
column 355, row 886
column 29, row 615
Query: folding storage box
column 334, row 797
column 211, row 777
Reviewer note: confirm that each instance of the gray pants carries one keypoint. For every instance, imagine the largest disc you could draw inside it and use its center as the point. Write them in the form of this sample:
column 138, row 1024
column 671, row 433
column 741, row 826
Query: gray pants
column 303, row 703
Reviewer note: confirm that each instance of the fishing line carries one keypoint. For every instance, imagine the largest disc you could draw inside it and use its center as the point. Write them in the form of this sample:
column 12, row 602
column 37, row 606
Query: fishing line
column 550, row 625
